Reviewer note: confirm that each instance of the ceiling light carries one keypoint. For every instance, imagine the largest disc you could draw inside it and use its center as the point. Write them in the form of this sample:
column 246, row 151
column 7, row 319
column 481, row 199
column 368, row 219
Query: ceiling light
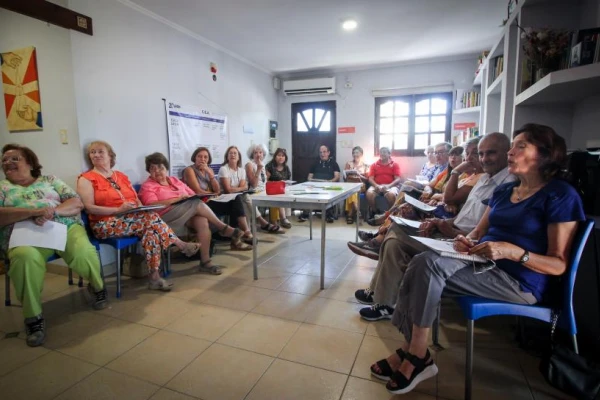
column 349, row 25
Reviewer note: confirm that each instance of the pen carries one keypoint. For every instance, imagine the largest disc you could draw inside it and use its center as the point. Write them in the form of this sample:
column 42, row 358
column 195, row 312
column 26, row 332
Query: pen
column 454, row 240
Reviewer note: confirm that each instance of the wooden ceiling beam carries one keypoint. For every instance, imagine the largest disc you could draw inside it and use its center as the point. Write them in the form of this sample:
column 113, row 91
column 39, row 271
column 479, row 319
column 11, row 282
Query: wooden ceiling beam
column 51, row 13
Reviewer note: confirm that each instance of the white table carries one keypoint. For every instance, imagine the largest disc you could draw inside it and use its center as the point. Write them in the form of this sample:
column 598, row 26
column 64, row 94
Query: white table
column 322, row 201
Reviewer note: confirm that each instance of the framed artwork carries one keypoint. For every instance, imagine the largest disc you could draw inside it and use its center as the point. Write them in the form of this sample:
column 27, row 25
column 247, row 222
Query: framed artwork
column 21, row 90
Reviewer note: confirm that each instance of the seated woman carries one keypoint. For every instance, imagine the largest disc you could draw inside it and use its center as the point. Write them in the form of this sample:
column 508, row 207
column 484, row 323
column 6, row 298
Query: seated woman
column 201, row 179
column 278, row 170
column 160, row 188
column 108, row 195
column 527, row 231
column 234, row 180
column 430, row 168
column 360, row 176
column 26, row 194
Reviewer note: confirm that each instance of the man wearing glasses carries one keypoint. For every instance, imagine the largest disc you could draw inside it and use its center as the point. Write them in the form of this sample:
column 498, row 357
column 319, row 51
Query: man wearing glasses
column 324, row 170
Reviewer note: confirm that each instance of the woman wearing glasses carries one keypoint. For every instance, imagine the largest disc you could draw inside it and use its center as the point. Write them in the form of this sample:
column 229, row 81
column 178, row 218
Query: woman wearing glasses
column 26, row 194
column 278, row 170
column 109, row 199
column 527, row 230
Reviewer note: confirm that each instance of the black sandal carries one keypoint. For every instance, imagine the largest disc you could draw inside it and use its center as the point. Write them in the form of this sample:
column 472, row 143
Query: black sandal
column 349, row 219
column 384, row 367
column 425, row 368
column 270, row 228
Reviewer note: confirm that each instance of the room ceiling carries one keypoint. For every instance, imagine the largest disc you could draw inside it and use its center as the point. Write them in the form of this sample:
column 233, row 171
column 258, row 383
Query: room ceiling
column 287, row 36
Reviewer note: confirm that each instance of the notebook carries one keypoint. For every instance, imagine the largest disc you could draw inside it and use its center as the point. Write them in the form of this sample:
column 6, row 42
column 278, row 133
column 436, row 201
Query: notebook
column 446, row 249
column 407, row 222
column 418, row 204
column 142, row 208
column 194, row 197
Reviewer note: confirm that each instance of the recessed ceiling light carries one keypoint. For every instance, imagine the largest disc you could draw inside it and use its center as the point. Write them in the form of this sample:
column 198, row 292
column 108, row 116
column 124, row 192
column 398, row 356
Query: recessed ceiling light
column 349, row 25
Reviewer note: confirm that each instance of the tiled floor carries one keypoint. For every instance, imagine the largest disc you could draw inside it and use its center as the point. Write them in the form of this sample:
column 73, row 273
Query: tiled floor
column 230, row 337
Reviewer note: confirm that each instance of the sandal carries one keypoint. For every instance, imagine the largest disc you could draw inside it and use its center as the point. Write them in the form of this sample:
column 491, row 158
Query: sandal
column 349, row 219
column 189, row 249
column 384, row 366
column 270, row 228
column 237, row 243
column 160, row 284
column 285, row 223
column 213, row 269
column 425, row 368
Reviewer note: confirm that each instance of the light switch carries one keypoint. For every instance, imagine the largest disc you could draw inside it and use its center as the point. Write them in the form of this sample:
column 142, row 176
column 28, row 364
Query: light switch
column 64, row 139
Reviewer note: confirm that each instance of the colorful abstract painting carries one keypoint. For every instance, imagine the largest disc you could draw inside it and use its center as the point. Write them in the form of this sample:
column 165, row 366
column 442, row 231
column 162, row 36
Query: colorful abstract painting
column 21, row 90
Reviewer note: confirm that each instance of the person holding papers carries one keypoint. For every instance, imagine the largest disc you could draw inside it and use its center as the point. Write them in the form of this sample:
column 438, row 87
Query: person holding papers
column 398, row 248
column 384, row 177
column 526, row 231
column 233, row 179
column 27, row 195
column 110, row 200
column 325, row 169
column 278, row 170
column 202, row 180
column 356, row 171
column 160, row 188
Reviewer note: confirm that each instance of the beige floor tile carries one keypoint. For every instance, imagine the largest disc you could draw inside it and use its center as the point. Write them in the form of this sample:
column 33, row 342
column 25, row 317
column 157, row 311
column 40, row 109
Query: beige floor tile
column 158, row 313
column 292, row 306
column 166, row 394
column 304, row 284
column 160, row 357
column 339, row 314
column 44, row 378
column 130, row 299
column 283, row 264
column 239, row 297
column 343, row 290
column 73, row 326
column 359, row 389
column 268, row 278
column 108, row 342
column 221, row 373
column 494, row 377
column 384, row 329
column 292, row 381
column 14, row 353
column 362, row 262
column 540, row 388
column 261, row 334
column 11, row 318
column 313, row 267
column 357, row 274
column 323, row 347
column 206, row 322
column 109, row 385
column 194, row 287
column 371, row 350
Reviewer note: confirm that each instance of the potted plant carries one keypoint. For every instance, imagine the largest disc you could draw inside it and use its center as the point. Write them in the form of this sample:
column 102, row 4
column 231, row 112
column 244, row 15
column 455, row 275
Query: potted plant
column 545, row 48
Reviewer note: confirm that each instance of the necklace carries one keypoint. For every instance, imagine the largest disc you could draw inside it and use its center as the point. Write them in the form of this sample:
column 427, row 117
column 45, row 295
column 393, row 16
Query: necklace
column 519, row 198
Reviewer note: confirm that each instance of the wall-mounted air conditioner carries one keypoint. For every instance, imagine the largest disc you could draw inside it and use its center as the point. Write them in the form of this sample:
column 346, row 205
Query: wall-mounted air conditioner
column 306, row 87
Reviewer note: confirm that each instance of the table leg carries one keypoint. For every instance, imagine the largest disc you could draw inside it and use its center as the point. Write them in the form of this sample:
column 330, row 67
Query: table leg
column 357, row 213
column 310, row 223
column 323, row 218
column 254, row 243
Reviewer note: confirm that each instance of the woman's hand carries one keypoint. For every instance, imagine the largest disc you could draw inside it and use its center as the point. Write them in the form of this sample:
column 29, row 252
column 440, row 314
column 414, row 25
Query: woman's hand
column 497, row 251
column 126, row 207
column 433, row 202
column 46, row 214
column 463, row 244
column 427, row 227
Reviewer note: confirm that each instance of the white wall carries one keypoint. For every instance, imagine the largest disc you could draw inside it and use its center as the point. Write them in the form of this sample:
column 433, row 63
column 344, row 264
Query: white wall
column 53, row 48
column 133, row 61
column 356, row 106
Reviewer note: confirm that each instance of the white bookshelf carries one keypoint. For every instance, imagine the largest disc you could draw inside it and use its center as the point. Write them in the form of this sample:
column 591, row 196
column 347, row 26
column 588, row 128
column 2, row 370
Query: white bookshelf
column 469, row 110
column 496, row 87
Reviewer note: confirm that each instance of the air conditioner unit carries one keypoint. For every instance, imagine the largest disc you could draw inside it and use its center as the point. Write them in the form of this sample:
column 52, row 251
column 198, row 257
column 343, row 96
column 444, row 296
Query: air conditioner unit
column 306, row 87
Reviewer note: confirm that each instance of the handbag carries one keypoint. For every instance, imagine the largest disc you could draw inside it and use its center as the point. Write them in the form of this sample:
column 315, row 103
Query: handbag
column 277, row 187
column 570, row 372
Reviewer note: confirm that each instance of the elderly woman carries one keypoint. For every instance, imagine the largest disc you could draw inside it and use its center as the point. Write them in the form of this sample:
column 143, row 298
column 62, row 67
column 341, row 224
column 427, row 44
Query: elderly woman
column 359, row 174
column 431, row 168
column 202, row 180
column 527, row 231
column 278, row 170
column 160, row 188
column 26, row 194
column 234, row 180
column 110, row 200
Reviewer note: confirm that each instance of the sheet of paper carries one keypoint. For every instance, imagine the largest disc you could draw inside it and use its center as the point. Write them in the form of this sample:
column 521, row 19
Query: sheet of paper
column 51, row 235
column 194, row 197
column 289, row 182
column 142, row 208
column 447, row 249
column 224, row 198
column 418, row 204
column 419, row 181
column 407, row 222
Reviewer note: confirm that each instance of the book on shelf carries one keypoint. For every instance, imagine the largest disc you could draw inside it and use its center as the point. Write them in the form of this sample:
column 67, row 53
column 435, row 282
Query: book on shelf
column 589, row 40
column 467, row 99
column 497, row 66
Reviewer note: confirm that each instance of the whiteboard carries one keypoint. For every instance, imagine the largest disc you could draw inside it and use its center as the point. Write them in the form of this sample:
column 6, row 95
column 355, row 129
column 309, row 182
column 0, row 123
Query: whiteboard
column 190, row 127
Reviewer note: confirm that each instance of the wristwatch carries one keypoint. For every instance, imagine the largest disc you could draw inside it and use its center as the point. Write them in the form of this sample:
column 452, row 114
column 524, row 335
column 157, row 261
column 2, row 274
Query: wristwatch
column 455, row 172
column 524, row 257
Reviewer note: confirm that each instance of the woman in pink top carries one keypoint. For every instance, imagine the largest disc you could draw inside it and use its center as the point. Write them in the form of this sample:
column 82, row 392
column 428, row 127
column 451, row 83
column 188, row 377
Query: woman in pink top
column 160, row 188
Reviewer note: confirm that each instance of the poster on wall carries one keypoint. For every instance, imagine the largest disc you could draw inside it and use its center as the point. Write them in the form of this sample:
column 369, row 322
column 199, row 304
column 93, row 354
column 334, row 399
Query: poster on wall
column 21, row 90
column 190, row 127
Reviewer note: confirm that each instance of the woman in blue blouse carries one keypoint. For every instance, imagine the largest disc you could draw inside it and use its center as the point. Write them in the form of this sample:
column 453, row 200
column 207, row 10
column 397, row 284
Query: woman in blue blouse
column 527, row 230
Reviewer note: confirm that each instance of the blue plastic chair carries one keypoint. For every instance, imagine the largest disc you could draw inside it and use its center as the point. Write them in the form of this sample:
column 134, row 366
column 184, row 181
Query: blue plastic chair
column 475, row 308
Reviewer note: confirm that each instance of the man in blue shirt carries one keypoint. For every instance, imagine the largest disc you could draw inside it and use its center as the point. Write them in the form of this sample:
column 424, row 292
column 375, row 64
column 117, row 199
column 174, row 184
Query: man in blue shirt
column 326, row 169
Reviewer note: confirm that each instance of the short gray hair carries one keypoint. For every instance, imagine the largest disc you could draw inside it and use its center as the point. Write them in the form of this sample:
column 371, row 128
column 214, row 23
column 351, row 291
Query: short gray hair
column 446, row 144
column 252, row 149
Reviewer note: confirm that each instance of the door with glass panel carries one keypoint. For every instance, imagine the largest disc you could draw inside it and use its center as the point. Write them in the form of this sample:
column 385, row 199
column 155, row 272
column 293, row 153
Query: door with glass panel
column 408, row 124
column 313, row 125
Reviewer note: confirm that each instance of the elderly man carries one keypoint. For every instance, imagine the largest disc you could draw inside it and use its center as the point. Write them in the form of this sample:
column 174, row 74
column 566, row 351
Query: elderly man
column 398, row 248
column 325, row 169
column 384, row 177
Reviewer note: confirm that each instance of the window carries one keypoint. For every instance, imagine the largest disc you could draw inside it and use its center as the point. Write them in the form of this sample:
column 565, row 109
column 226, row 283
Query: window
column 408, row 124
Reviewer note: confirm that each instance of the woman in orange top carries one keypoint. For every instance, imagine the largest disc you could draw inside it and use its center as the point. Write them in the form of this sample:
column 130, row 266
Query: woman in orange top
column 107, row 196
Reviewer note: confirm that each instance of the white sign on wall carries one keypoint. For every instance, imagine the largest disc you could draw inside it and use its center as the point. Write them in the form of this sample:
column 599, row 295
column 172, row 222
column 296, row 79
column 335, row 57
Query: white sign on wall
column 190, row 127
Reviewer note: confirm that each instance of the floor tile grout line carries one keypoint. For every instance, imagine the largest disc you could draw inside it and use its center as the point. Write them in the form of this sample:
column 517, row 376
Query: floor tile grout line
column 80, row 380
column 261, row 376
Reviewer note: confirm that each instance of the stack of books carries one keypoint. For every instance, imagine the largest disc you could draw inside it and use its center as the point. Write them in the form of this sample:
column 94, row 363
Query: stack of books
column 496, row 67
column 467, row 99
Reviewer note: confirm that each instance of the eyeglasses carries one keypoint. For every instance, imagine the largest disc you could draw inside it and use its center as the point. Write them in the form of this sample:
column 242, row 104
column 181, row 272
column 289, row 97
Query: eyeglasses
column 114, row 184
column 479, row 268
column 11, row 159
column 440, row 153
column 155, row 168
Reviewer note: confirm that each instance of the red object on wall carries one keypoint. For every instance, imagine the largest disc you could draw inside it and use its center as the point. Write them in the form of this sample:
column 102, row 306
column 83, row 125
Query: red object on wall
column 464, row 125
column 347, row 129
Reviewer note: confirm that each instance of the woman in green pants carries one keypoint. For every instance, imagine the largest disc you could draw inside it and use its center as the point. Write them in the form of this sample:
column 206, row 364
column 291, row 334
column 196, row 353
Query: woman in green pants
column 27, row 194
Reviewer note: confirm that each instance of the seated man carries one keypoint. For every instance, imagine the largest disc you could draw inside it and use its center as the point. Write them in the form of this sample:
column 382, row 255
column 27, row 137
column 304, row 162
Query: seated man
column 326, row 169
column 398, row 248
column 384, row 177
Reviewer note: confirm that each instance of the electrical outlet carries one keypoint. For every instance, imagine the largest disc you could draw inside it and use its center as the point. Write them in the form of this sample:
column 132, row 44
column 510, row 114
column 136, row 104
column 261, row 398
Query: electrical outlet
column 64, row 138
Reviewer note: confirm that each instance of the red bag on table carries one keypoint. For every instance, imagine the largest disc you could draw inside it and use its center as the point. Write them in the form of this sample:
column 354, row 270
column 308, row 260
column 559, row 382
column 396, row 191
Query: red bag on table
column 277, row 187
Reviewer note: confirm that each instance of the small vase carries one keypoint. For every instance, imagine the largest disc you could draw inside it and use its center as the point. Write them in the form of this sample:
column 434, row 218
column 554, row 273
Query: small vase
column 540, row 73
